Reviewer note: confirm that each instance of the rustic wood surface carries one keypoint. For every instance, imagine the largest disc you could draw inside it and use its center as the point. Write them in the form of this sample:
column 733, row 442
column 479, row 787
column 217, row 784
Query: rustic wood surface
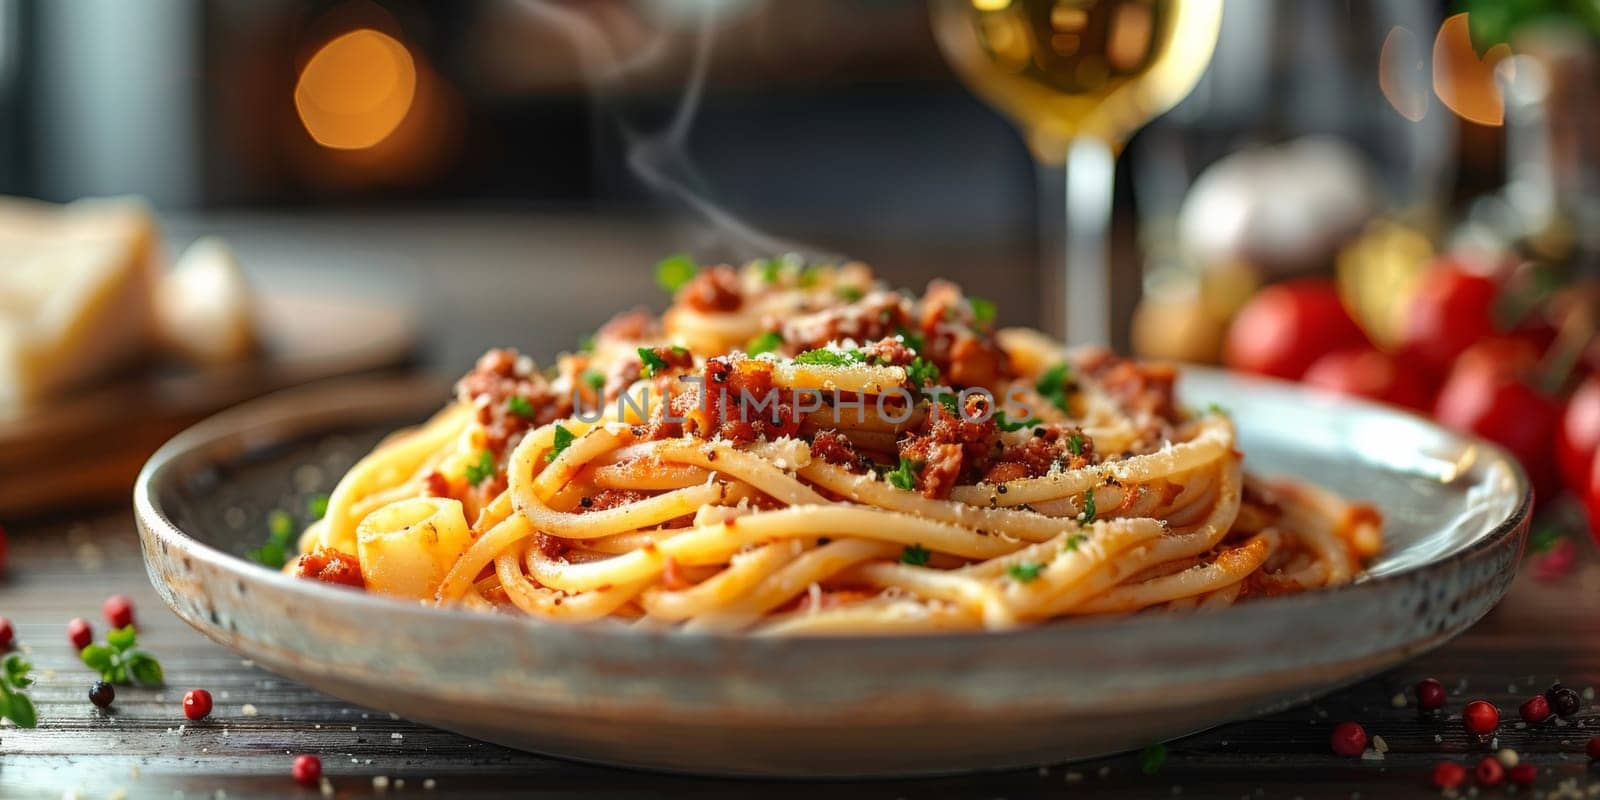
column 64, row 567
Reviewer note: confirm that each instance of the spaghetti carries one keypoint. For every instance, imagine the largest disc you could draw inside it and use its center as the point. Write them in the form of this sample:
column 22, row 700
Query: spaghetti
column 794, row 449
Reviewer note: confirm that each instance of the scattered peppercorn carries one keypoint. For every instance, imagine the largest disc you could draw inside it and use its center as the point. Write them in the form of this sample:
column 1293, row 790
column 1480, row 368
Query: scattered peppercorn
column 1449, row 775
column 1489, row 772
column 307, row 769
column 1349, row 739
column 102, row 693
column 1523, row 774
column 1430, row 694
column 1480, row 717
column 1562, row 700
column 196, row 704
column 1593, row 749
column 1535, row 710
column 118, row 610
column 79, row 632
column 8, row 636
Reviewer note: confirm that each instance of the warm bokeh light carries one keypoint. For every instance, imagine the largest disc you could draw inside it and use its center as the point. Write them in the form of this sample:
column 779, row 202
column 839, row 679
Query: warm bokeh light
column 356, row 90
column 1464, row 82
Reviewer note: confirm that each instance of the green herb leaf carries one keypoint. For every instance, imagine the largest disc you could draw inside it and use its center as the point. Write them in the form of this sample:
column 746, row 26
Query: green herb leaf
column 1542, row 539
column 271, row 554
column 1074, row 541
column 519, row 405
column 563, row 439
column 651, row 361
column 1009, row 426
column 586, row 343
column 675, row 270
column 280, row 526
column 482, row 469
column 20, row 710
column 771, row 270
column 922, row 372
column 1152, row 759
column 1218, row 410
column 831, row 358
column 808, row 276
column 982, row 310
column 143, row 669
column 916, row 555
column 1025, row 572
column 17, row 670
column 850, row 294
column 1055, row 384
column 594, row 379
column 910, row 340
column 905, row 475
column 317, row 506
column 1088, row 507
column 765, row 343
column 1075, row 443
column 121, row 638
column 98, row 657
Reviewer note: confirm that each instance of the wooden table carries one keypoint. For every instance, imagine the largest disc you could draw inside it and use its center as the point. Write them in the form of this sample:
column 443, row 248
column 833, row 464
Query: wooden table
column 65, row 567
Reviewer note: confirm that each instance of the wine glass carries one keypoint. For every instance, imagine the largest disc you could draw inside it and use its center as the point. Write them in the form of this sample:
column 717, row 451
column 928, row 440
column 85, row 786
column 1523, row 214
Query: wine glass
column 1078, row 77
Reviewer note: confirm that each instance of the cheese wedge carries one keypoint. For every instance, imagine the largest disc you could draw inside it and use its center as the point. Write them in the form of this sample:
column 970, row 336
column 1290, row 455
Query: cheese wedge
column 76, row 286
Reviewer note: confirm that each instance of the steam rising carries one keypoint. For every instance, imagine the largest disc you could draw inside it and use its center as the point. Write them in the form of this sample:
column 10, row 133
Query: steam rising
column 659, row 156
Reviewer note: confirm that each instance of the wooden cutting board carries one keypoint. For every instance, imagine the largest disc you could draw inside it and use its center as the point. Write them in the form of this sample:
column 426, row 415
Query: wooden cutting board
column 88, row 446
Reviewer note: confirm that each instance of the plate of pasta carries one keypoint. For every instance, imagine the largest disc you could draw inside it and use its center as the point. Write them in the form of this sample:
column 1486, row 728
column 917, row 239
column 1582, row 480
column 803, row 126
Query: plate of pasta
column 804, row 524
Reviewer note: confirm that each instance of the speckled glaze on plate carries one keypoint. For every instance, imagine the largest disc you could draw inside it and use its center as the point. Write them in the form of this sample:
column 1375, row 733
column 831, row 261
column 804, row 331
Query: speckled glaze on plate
column 1456, row 514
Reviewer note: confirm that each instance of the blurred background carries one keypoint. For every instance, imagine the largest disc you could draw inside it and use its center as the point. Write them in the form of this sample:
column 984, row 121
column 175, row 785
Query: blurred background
column 408, row 183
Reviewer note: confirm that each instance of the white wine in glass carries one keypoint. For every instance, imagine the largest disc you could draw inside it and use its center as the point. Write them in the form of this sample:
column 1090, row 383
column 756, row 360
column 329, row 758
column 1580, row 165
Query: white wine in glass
column 1078, row 77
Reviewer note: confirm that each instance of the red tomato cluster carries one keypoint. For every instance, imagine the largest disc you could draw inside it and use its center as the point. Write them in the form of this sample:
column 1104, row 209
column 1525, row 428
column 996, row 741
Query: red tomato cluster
column 1452, row 362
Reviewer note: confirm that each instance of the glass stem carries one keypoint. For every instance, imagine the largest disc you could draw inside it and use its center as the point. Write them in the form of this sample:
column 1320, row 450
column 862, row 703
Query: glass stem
column 1086, row 270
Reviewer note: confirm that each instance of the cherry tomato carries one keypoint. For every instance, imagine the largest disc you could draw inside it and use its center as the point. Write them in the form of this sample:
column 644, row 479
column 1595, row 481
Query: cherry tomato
column 1370, row 374
column 1482, row 396
column 1579, row 435
column 1451, row 310
column 1286, row 327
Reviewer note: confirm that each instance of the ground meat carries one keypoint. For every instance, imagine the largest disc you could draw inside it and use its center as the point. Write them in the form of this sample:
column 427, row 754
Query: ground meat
column 630, row 326
column 891, row 352
column 963, row 349
column 877, row 316
column 1048, row 446
column 609, row 498
column 742, row 404
column 625, row 372
column 714, row 290
column 499, row 376
column 436, row 485
column 1142, row 389
column 835, row 448
column 951, row 448
column 330, row 566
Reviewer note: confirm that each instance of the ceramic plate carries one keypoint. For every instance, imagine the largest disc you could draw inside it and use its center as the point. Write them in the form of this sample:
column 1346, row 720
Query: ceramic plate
column 1456, row 515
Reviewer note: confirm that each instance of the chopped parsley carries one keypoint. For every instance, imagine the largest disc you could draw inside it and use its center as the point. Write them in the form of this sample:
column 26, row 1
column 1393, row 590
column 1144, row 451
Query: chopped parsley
column 586, row 343
column 280, row 540
column 1055, row 384
column 910, row 340
column 564, row 438
column 1543, row 539
column 916, row 555
column 905, row 475
column 317, row 506
column 675, row 270
column 594, row 379
column 482, row 469
column 1088, row 507
column 771, row 270
column 118, row 662
column 1075, row 443
column 1008, row 426
column 831, row 358
column 1218, row 410
column 1152, row 759
column 808, row 276
column 765, row 343
column 15, row 704
column 850, row 294
column 651, row 361
column 982, row 310
column 1074, row 541
column 519, row 405
column 1025, row 572
column 950, row 401
column 922, row 372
